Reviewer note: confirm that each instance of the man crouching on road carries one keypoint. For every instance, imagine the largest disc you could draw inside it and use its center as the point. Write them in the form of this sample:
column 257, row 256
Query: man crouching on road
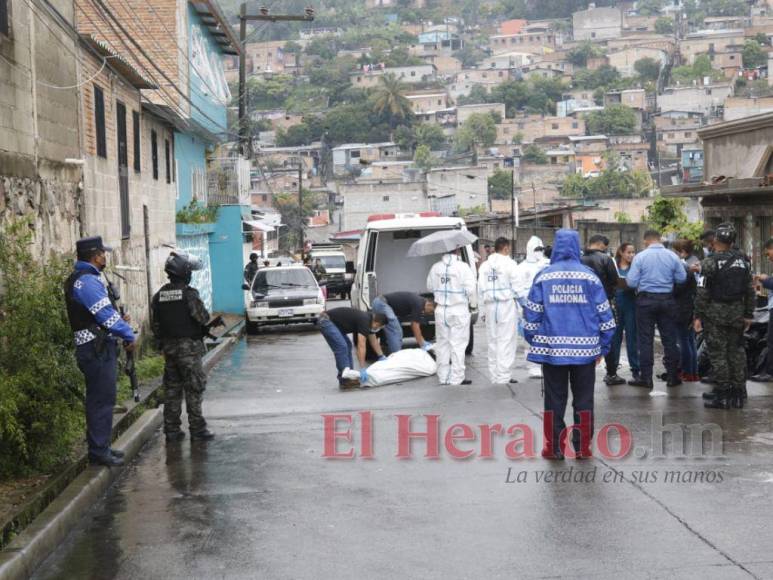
column 569, row 325
column 405, row 305
column 335, row 324
column 180, row 324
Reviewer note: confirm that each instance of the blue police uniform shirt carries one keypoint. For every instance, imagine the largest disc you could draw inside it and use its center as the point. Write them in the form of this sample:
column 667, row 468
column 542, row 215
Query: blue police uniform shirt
column 656, row 270
column 90, row 292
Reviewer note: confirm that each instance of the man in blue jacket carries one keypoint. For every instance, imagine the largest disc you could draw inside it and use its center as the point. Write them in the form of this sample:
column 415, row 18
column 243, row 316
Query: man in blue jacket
column 97, row 327
column 569, row 325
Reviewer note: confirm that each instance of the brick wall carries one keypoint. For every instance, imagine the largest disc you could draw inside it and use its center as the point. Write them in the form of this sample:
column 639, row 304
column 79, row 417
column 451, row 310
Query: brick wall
column 102, row 204
column 159, row 30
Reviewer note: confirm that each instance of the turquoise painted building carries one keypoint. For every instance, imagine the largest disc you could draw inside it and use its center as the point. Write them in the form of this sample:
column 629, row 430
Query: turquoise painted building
column 220, row 245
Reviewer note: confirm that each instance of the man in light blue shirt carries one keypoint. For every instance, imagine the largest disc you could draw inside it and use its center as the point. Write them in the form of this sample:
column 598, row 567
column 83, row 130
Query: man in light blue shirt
column 653, row 273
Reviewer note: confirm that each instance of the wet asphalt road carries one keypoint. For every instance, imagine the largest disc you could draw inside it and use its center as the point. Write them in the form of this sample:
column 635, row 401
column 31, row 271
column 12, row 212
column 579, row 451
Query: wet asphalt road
column 260, row 501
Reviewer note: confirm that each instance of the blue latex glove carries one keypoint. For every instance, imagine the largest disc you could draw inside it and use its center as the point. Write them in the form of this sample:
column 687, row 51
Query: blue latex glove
column 363, row 376
column 382, row 357
column 427, row 346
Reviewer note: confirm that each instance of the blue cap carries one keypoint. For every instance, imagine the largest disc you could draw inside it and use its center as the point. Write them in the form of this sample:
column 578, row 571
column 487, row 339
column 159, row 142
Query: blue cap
column 89, row 244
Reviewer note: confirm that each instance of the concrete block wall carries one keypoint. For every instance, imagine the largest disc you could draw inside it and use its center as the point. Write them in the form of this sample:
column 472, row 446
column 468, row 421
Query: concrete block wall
column 39, row 128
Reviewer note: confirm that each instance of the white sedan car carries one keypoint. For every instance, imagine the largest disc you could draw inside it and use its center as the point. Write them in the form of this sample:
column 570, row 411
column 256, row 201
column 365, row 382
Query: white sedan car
column 282, row 295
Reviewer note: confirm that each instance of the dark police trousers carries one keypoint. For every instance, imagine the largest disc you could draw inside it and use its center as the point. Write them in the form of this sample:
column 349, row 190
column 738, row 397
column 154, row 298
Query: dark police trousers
column 100, row 371
column 651, row 310
column 558, row 379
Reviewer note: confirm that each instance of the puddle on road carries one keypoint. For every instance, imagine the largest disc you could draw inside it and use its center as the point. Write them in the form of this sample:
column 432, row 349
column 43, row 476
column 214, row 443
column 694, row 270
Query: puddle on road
column 763, row 438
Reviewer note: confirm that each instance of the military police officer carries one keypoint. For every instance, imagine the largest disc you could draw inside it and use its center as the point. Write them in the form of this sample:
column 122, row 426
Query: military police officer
column 97, row 327
column 723, row 310
column 180, row 324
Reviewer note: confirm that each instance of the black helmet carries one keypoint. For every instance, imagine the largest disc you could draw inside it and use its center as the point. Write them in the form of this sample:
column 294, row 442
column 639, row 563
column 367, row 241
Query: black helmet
column 725, row 233
column 181, row 265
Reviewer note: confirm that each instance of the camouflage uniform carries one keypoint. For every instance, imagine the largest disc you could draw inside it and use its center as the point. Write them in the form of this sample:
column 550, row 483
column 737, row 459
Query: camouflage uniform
column 183, row 370
column 723, row 327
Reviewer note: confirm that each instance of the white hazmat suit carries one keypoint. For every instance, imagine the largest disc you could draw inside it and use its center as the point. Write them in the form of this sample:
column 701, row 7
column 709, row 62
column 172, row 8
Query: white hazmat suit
column 496, row 281
column 453, row 284
column 526, row 271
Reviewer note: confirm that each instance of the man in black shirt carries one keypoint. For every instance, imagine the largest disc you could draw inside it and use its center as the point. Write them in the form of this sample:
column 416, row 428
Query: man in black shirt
column 335, row 324
column 251, row 268
column 597, row 259
column 398, row 306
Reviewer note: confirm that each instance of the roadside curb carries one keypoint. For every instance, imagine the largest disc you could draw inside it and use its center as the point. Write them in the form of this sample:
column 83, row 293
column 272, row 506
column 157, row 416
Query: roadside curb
column 27, row 551
column 39, row 539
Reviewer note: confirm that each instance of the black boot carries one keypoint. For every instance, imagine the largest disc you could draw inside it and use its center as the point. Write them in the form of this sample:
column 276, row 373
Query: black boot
column 712, row 394
column 739, row 397
column 722, row 400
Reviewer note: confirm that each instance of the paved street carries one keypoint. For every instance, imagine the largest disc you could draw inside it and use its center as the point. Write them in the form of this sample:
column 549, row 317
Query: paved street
column 261, row 502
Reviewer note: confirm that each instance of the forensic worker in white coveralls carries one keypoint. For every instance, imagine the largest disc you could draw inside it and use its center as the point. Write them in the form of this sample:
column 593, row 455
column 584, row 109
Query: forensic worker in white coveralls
column 452, row 283
column 496, row 281
column 527, row 270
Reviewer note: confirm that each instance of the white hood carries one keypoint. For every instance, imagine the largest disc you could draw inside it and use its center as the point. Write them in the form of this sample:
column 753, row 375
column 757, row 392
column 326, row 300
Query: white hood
column 532, row 255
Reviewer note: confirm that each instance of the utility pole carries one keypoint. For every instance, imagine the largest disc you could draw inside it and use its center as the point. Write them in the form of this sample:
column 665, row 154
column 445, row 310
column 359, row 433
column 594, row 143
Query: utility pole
column 512, row 213
column 536, row 212
column 263, row 16
column 300, row 208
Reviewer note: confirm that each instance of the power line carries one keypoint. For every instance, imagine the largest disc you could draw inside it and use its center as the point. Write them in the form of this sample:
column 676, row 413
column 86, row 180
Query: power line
column 27, row 72
column 161, row 72
column 177, row 45
column 164, row 95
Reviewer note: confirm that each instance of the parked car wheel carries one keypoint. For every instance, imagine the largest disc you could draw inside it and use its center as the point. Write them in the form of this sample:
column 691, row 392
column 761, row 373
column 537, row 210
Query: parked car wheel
column 249, row 326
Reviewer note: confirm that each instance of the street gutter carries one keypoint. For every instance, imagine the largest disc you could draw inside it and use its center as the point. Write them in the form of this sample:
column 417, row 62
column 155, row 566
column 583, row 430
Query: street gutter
column 44, row 521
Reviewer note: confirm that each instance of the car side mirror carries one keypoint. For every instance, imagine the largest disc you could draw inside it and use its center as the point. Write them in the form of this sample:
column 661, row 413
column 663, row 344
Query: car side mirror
column 245, row 286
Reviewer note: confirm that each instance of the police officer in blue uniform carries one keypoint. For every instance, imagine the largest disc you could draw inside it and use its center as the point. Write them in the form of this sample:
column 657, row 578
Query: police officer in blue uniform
column 97, row 326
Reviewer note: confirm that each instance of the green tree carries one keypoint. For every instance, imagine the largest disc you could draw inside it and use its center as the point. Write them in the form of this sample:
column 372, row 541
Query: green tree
column 622, row 217
column 470, row 55
column 325, row 47
column 647, row 68
column 389, row 101
column 603, row 77
column 614, row 181
column 700, row 68
column 293, row 47
column 667, row 215
column 613, row 120
column 405, row 138
column 762, row 38
column 41, row 415
column 287, row 205
column 294, row 136
column 579, row 55
column 500, row 184
column 664, row 25
column 478, row 94
column 649, row 7
column 533, row 154
column 478, row 129
column 268, row 93
column 753, row 55
column 430, row 135
column 423, row 158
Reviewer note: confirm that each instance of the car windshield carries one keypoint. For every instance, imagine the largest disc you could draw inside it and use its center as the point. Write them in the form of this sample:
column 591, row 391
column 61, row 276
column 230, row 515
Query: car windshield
column 284, row 278
column 331, row 261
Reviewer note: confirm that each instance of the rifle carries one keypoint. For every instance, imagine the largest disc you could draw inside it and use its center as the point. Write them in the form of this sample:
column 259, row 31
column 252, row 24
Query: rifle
column 214, row 323
column 130, row 369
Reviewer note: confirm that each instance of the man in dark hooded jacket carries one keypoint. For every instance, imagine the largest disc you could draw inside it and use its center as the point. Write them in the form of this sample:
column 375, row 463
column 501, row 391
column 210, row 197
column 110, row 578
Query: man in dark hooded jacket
column 569, row 325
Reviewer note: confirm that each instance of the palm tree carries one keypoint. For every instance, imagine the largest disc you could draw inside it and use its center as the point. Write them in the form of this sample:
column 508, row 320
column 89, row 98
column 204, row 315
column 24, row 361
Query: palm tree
column 389, row 100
